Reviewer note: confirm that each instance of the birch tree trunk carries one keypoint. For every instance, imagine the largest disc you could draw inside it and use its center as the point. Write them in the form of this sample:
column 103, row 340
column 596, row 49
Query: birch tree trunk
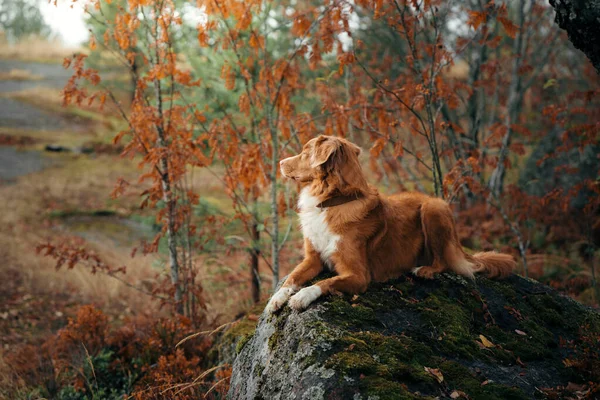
column 513, row 105
column 170, row 204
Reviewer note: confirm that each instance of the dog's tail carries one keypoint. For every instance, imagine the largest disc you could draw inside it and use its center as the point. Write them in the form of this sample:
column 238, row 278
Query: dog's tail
column 494, row 265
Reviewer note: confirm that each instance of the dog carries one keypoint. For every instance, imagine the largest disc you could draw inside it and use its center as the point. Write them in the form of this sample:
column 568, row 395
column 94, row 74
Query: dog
column 363, row 236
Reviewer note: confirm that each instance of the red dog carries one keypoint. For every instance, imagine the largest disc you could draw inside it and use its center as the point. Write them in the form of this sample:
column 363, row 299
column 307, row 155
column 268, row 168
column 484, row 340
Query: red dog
column 364, row 236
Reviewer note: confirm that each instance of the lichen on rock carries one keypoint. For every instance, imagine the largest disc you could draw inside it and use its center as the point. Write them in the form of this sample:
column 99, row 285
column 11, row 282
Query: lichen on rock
column 418, row 339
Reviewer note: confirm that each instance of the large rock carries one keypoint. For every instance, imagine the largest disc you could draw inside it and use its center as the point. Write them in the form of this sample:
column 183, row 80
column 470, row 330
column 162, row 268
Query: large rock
column 412, row 339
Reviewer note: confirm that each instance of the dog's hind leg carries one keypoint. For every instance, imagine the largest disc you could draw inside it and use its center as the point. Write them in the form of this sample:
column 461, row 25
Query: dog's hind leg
column 441, row 241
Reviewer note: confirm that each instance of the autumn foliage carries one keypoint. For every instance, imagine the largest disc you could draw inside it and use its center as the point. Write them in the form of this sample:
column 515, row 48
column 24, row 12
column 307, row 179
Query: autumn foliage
column 88, row 358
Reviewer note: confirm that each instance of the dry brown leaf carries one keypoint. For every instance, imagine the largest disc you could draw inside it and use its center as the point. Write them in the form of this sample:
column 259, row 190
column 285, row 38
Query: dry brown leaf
column 568, row 363
column 436, row 373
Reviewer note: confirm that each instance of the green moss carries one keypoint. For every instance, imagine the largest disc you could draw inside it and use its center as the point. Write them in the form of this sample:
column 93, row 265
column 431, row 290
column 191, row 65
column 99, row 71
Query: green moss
column 242, row 342
column 345, row 314
column 279, row 323
column 379, row 362
column 241, row 331
column 237, row 335
column 258, row 371
column 385, row 389
column 450, row 324
column 535, row 345
column 458, row 377
column 505, row 290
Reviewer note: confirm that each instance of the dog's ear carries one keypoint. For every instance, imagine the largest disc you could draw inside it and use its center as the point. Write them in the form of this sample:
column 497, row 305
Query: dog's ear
column 324, row 148
column 357, row 150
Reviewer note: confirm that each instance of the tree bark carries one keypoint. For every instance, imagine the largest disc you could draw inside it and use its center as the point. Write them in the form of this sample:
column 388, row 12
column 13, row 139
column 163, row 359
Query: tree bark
column 170, row 204
column 254, row 255
column 513, row 107
column 274, row 207
column 581, row 20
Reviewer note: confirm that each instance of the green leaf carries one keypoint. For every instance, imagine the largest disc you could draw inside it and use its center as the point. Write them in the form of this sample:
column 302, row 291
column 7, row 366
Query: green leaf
column 550, row 83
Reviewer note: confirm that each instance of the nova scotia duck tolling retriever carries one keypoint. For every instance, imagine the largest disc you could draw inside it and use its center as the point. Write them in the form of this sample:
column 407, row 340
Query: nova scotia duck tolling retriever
column 364, row 236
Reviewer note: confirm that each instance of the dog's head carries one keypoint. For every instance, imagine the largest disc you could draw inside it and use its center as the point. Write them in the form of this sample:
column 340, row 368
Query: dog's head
column 323, row 157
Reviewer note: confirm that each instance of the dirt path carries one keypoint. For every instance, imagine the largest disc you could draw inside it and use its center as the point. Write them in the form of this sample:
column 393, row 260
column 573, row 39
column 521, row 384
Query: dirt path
column 16, row 114
column 51, row 75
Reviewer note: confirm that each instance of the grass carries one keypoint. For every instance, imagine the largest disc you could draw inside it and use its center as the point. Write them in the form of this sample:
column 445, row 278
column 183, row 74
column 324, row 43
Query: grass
column 49, row 99
column 19, row 75
column 36, row 49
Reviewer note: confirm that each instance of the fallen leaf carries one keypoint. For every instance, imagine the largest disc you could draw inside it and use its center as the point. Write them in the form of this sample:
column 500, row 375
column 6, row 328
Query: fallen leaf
column 573, row 387
column 520, row 332
column 436, row 373
column 486, row 342
column 568, row 363
column 457, row 394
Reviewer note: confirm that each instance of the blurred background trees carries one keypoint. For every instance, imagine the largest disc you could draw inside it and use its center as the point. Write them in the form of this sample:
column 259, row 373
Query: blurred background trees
column 22, row 18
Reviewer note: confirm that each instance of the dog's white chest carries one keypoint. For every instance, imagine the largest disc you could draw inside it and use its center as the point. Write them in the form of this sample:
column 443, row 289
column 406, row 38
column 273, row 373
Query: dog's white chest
column 314, row 226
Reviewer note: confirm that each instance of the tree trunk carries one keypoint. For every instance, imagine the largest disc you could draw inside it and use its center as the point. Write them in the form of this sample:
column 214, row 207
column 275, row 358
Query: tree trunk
column 254, row 255
column 580, row 18
column 170, row 204
column 515, row 95
column 274, row 209
column 134, row 78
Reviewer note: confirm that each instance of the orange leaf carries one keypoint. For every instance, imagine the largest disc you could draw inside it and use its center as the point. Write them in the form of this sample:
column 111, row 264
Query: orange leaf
column 377, row 147
column 510, row 28
column 398, row 149
column 476, row 18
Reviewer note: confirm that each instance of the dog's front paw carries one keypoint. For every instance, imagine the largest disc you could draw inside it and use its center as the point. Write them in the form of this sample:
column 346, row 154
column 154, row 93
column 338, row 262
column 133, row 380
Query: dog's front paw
column 279, row 299
column 304, row 297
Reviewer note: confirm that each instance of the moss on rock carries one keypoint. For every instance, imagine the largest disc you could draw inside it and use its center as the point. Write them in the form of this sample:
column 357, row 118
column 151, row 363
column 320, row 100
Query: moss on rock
column 229, row 342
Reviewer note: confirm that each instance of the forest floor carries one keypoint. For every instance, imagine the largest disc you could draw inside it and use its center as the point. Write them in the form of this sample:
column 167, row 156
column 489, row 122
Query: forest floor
column 36, row 188
column 55, row 195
